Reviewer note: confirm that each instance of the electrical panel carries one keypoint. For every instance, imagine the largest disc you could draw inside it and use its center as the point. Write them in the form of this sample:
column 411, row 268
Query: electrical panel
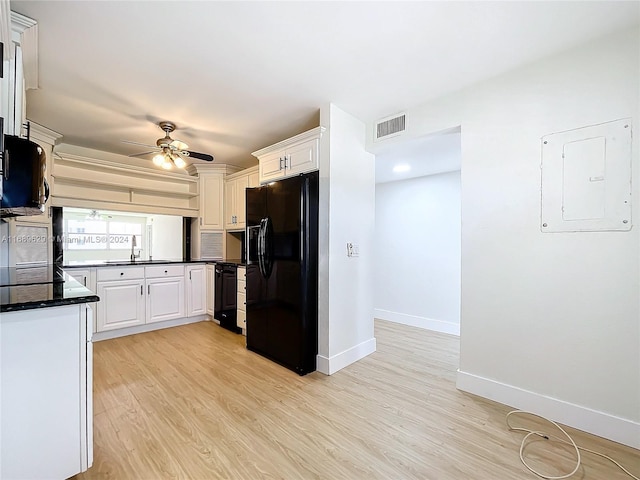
column 586, row 179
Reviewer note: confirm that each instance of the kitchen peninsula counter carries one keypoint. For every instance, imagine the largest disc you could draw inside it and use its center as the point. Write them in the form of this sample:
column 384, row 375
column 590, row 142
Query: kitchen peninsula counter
column 27, row 288
column 45, row 373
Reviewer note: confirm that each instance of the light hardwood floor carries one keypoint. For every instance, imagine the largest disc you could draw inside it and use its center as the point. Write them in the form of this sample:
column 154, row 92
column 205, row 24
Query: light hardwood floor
column 191, row 402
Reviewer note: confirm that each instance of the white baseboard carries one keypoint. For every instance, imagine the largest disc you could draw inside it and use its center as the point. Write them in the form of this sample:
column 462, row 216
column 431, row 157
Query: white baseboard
column 149, row 327
column 442, row 326
column 598, row 423
column 330, row 365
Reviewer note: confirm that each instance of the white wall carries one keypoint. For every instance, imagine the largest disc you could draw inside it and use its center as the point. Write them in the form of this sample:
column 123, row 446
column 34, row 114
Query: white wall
column 417, row 251
column 550, row 322
column 347, row 212
column 166, row 237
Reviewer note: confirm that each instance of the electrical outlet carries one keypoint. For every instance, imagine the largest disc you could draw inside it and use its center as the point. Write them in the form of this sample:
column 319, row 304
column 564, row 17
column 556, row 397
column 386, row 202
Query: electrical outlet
column 349, row 249
column 355, row 250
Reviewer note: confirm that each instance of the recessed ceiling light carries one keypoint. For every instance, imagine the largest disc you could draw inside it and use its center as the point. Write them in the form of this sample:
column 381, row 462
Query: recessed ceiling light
column 401, row 168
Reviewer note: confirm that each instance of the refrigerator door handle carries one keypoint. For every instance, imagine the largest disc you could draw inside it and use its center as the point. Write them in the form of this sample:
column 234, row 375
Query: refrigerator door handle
column 268, row 247
column 261, row 248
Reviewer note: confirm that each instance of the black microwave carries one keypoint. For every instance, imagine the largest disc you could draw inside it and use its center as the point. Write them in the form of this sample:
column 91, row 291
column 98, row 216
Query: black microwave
column 24, row 186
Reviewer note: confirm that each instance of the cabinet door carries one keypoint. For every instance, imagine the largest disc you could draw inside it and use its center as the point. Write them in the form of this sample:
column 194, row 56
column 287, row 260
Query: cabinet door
column 165, row 299
column 271, row 166
column 35, row 249
column 241, row 300
column 211, row 201
column 12, row 103
column 229, row 204
column 80, row 275
column 41, row 384
column 121, row 304
column 196, row 286
column 241, row 185
column 302, row 157
column 210, row 292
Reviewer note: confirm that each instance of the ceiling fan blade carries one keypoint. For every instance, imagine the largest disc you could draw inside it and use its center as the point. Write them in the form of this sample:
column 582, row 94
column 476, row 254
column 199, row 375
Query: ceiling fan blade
column 138, row 143
column 142, row 154
column 200, row 156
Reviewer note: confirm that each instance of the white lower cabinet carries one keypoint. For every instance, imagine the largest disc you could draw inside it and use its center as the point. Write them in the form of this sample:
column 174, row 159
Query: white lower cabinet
column 196, row 290
column 211, row 288
column 165, row 299
column 82, row 275
column 241, row 300
column 133, row 296
column 122, row 304
column 46, row 417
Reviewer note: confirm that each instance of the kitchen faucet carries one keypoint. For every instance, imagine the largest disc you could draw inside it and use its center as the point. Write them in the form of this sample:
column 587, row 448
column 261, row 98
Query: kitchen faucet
column 133, row 245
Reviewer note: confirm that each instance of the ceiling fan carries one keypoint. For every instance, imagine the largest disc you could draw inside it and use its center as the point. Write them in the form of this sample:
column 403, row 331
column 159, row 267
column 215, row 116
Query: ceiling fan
column 170, row 152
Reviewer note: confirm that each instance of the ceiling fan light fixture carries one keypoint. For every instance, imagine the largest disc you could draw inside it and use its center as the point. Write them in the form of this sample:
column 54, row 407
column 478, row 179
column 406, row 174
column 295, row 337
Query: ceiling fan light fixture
column 178, row 161
column 158, row 159
column 167, row 165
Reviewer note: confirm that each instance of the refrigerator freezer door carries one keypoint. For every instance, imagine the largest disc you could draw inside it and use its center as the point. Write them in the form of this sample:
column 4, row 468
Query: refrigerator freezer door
column 282, row 289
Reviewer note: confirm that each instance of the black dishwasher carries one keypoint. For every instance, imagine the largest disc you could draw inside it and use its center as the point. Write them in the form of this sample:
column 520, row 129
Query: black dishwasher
column 225, row 296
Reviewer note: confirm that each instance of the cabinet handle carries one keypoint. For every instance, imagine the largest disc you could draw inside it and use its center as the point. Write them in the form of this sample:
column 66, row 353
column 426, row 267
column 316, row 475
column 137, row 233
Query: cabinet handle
column 280, row 164
column 285, row 162
column 141, row 292
column 189, row 275
column 148, row 289
column 85, row 280
column 5, row 166
column 121, row 273
column 200, row 221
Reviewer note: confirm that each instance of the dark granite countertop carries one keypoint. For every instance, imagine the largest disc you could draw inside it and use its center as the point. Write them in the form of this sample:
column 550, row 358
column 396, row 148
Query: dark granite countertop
column 40, row 287
column 125, row 263
column 232, row 261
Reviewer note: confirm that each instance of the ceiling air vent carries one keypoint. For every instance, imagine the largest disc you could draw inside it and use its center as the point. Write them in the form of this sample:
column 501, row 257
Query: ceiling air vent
column 391, row 126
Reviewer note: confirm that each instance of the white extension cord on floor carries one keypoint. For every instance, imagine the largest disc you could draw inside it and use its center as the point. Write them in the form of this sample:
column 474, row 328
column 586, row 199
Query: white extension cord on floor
column 547, row 437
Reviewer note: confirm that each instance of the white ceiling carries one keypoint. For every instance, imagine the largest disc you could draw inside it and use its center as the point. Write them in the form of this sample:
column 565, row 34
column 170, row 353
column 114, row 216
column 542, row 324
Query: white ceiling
column 238, row 76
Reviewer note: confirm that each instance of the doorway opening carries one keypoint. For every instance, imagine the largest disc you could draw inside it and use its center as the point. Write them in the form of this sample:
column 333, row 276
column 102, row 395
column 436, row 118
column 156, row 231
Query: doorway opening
column 418, row 232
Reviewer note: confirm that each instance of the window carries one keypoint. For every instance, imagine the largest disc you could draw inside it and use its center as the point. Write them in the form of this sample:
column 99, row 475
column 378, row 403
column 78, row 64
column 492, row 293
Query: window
column 102, row 232
column 98, row 236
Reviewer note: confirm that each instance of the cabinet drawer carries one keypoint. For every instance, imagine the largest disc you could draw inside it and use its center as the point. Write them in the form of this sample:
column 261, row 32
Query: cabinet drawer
column 159, row 271
column 119, row 273
column 242, row 274
column 241, row 304
column 241, row 319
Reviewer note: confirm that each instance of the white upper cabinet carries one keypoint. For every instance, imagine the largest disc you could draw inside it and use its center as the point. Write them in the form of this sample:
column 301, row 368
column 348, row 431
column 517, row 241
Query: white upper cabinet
column 211, row 201
column 290, row 157
column 235, row 198
column 20, row 72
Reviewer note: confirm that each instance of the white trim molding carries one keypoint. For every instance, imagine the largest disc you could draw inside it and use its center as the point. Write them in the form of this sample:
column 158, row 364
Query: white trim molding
column 148, row 327
column 441, row 326
column 330, row 365
column 603, row 424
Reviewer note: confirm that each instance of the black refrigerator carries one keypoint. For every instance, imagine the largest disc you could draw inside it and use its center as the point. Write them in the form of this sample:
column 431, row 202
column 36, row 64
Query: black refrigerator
column 282, row 271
